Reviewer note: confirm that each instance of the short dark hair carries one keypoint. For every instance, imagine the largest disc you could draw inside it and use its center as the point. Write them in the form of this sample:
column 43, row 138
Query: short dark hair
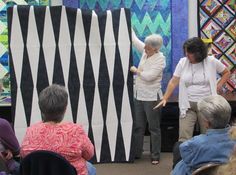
column 197, row 47
column 53, row 102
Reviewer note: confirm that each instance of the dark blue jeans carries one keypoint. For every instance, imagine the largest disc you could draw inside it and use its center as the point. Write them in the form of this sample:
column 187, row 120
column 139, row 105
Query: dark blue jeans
column 144, row 113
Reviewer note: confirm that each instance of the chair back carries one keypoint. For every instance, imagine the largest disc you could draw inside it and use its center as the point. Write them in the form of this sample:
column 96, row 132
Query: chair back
column 3, row 166
column 46, row 163
column 206, row 169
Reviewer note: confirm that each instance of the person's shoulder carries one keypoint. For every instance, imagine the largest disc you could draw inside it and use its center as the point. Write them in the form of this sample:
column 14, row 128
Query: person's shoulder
column 182, row 61
column 196, row 140
column 73, row 126
column 160, row 54
column 4, row 123
column 35, row 125
column 211, row 58
column 159, row 57
column 213, row 61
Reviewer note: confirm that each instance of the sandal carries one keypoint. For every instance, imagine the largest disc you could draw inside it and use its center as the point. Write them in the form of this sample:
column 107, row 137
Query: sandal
column 155, row 162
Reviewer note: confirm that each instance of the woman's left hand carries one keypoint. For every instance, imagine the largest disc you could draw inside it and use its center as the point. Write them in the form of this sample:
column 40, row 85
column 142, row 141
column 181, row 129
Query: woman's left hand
column 225, row 76
column 219, row 89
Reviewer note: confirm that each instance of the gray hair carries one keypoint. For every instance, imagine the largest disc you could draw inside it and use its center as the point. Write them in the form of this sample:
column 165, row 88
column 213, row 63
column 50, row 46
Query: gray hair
column 53, row 102
column 154, row 41
column 216, row 110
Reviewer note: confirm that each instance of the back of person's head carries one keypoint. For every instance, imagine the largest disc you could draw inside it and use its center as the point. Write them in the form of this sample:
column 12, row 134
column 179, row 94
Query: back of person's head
column 197, row 47
column 154, row 40
column 216, row 110
column 53, row 102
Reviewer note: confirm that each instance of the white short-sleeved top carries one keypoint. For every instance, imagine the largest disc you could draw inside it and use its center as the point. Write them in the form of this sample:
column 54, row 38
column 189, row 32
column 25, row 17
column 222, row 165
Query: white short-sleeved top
column 196, row 80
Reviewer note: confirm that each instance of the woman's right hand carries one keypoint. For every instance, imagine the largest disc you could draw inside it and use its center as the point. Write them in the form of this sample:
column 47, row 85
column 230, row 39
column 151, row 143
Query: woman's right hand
column 7, row 154
column 174, row 81
column 161, row 103
column 133, row 69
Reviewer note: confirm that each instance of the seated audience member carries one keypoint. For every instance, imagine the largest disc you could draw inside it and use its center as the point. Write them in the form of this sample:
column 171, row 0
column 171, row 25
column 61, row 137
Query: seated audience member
column 214, row 146
column 52, row 134
column 230, row 167
column 9, row 147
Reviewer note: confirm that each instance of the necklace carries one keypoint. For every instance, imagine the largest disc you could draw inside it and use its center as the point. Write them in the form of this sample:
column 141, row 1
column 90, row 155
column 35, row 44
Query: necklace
column 195, row 71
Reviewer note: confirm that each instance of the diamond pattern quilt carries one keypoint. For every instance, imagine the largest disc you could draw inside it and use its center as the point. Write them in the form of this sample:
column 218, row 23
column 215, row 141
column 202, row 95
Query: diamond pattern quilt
column 89, row 53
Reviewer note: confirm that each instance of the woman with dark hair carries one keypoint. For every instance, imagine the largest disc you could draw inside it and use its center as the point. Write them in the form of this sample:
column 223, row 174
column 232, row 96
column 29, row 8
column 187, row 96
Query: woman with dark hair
column 65, row 138
column 196, row 75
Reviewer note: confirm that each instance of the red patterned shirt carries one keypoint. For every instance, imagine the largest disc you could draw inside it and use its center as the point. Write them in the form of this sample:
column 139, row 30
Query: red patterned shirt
column 66, row 139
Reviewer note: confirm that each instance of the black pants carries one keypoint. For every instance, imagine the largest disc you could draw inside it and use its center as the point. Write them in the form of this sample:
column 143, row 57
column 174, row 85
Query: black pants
column 176, row 154
column 144, row 113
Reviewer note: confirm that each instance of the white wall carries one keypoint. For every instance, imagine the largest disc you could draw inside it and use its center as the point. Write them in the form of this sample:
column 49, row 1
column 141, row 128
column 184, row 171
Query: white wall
column 192, row 18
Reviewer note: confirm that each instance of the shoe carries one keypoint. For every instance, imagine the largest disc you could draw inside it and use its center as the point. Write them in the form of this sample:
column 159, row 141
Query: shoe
column 155, row 162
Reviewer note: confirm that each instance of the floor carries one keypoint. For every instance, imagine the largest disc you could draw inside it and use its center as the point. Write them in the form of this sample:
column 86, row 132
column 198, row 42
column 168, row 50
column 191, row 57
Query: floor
column 141, row 166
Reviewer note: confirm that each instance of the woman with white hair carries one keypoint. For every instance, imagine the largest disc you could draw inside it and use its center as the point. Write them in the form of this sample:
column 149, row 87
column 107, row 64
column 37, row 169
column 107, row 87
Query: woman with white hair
column 216, row 145
column 147, row 93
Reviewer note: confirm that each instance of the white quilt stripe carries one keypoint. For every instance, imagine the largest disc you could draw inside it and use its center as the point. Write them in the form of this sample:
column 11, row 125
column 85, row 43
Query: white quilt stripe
column 33, row 47
column 49, row 45
column 126, row 116
column 80, row 51
column 111, row 119
column 64, row 45
column 95, row 51
column 17, row 48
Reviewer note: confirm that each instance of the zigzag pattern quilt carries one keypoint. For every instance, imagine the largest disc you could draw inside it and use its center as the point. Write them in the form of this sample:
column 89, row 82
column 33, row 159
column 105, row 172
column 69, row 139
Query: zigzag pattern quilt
column 147, row 17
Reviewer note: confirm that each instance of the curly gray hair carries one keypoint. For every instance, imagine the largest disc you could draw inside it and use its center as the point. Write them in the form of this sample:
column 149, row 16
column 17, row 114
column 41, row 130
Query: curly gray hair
column 216, row 110
column 154, row 40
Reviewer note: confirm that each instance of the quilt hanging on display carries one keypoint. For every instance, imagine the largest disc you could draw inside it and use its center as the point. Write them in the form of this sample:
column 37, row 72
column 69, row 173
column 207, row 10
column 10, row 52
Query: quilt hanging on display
column 4, row 63
column 147, row 17
column 89, row 53
column 217, row 20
